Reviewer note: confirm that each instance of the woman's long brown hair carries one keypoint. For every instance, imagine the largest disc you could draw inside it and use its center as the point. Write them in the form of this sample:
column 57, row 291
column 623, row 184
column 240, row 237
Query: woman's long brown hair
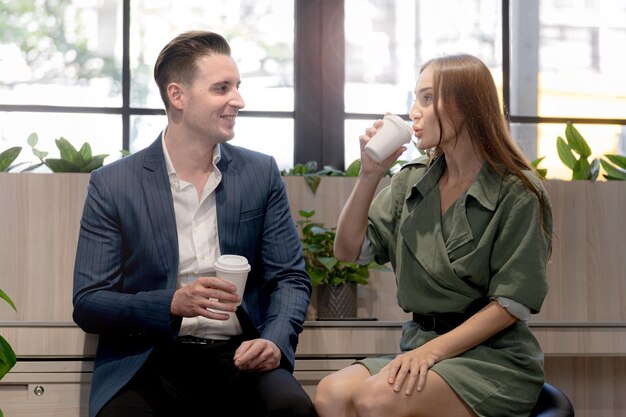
column 466, row 87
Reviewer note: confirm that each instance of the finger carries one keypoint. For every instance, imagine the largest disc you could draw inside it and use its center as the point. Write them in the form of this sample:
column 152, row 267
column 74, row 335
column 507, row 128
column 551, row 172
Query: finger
column 393, row 371
column 217, row 283
column 412, row 381
column 401, row 377
column 248, row 356
column 422, row 377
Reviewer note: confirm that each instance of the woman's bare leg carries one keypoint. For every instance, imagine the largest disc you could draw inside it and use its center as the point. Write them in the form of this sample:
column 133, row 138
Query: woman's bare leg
column 335, row 393
column 375, row 397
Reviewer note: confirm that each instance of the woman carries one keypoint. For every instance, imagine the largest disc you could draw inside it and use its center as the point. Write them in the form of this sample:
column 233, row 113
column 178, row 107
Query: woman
column 467, row 230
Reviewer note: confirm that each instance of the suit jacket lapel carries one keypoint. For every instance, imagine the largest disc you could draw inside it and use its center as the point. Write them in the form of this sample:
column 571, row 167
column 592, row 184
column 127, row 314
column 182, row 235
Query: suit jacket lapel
column 228, row 200
column 160, row 207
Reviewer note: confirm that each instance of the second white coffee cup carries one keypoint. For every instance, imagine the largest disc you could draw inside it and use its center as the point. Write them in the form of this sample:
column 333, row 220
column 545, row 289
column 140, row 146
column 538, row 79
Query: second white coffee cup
column 392, row 134
column 233, row 268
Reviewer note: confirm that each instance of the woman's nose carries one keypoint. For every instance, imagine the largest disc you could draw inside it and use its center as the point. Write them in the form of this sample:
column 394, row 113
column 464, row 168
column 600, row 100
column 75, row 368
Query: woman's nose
column 415, row 113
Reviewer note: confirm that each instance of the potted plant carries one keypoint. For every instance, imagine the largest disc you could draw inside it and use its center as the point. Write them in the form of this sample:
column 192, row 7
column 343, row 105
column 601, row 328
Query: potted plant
column 336, row 281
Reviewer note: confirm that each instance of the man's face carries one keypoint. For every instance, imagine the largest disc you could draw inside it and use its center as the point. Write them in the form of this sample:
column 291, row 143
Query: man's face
column 212, row 101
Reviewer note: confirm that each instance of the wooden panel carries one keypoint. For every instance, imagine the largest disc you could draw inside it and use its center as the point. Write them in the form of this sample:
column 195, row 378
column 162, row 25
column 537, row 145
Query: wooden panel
column 587, row 271
column 39, row 219
column 595, row 385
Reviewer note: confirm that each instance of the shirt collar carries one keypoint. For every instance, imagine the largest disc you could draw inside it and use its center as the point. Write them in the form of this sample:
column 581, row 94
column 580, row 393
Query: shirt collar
column 485, row 188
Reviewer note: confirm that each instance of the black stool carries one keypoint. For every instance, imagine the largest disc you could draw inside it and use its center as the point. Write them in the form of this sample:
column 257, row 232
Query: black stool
column 552, row 403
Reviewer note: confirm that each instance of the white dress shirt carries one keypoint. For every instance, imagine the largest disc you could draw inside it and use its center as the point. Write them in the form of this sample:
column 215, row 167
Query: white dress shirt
column 198, row 244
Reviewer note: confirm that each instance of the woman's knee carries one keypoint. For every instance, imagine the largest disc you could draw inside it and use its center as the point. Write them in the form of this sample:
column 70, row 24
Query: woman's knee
column 335, row 391
column 374, row 397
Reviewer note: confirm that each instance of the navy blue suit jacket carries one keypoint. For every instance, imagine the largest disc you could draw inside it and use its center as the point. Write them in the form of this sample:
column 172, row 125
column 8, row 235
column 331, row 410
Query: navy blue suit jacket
column 127, row 259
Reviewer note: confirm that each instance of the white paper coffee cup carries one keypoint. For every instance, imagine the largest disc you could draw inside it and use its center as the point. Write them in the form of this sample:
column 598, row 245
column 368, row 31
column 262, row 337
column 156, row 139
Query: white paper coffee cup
column 233, row 268
column 392, row 135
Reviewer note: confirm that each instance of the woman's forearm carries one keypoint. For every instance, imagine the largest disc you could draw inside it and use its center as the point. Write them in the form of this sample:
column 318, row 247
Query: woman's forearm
column 352, row 224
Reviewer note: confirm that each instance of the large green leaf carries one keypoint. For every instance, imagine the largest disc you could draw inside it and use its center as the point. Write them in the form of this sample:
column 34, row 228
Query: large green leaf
column 582, row 170
column 612, row 172
column 576, row 141
column 7, row 157
column 69, row 152
column 565, row 153
column 93, row 163
column 7, row 357
column 618, row 160
column 61, row 165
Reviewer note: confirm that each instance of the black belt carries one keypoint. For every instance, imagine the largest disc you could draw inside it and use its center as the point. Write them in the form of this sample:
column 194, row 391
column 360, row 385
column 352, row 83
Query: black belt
column 193, row 340
column 442, row 323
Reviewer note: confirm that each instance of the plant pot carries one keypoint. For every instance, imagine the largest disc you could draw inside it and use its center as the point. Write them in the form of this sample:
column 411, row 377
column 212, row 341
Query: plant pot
column 337, row 301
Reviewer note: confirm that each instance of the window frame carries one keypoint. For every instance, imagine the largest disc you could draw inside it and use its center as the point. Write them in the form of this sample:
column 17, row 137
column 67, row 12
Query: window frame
column 319, row 77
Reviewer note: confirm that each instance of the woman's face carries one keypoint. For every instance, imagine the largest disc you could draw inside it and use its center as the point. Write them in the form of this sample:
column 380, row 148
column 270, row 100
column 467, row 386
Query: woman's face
column 425, row 124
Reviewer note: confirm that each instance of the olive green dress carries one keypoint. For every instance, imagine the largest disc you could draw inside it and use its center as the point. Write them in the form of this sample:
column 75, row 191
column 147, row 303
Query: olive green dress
column 489, row 243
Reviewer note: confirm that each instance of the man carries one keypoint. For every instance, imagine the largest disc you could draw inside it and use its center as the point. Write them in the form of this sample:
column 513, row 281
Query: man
column 171, row 341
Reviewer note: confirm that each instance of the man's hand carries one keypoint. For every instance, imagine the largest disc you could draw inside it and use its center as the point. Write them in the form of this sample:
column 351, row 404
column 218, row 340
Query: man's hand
column 257, row 355
column 206, row 292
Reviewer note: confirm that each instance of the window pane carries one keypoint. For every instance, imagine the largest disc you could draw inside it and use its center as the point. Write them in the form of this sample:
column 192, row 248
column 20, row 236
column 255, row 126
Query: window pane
column 278, row 142
column 144, row 130
column 271, row 136
column 102, row 132
column 568, row 58
column 261, row 35
column 602, row 139
column 63, row 54
column 387, row 41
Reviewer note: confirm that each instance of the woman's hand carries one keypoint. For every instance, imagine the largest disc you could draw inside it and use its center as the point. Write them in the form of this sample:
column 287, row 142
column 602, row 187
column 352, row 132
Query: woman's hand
column 369, row 167
column 409, row 370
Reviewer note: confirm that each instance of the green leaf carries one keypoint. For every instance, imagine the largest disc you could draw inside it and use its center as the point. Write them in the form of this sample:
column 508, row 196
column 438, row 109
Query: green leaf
column 328, row 262
column 6, row 298
column 85, row 151
column 576, row 141
column 7, row 357
column 612, row 172
column 313, row 181
column 354, row 168
column 565, row 153
column 330, row 171
column 32, row 139
column 61, row 165
column 69, row 153
column 39, row 154
column 7, row 157
column 306, row 213
column 93, row 164
column 582, row 170
column 618, row 160
column 542, row 172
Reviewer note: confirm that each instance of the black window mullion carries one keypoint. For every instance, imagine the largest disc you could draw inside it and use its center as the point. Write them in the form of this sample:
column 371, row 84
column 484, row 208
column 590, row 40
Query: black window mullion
column 319, row 82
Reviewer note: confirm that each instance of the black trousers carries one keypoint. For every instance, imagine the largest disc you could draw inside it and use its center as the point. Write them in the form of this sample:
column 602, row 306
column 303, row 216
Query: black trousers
column 201, row 380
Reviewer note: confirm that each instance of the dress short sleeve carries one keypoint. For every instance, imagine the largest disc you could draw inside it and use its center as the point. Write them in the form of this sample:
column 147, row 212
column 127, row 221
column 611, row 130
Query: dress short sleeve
column 520, row 251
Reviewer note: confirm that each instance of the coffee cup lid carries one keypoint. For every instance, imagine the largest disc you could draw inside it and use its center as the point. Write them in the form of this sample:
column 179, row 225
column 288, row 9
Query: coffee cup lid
column 232, row 263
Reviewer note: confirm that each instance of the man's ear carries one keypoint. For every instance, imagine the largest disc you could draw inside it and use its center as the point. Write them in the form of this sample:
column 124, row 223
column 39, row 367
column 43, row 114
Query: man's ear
column 175, row 95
